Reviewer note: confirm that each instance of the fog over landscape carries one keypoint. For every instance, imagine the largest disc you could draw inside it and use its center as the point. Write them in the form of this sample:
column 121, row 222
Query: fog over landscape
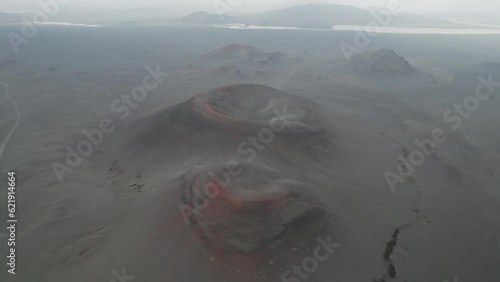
column 238, row 141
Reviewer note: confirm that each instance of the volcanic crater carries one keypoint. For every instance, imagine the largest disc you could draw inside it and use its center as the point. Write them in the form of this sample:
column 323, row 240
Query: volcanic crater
column 265, row 204
column 258, row 206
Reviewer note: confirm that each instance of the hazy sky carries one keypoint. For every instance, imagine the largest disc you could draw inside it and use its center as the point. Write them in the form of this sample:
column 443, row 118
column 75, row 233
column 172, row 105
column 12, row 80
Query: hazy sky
column 242, row 6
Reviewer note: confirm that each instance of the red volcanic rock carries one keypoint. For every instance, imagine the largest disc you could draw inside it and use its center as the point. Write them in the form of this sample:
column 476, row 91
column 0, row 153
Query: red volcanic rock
column 257, row 211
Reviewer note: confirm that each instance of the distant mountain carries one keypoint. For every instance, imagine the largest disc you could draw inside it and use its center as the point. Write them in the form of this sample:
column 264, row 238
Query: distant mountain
column 242, row 55
column 310, row 16
column 386, row 64
column 237, row 63
column 305, row 16
column 323, row 16
column 10, row 18
column 206, row 18
column 381, row 61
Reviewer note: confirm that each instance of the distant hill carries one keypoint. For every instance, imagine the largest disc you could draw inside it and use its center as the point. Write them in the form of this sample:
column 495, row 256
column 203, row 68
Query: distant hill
column 206, row 18
column 323, row 16
column 242, row 55
column 310, row 16
column 237, row 63
column 383, row 64
column 305, row 16
column 381, row 61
